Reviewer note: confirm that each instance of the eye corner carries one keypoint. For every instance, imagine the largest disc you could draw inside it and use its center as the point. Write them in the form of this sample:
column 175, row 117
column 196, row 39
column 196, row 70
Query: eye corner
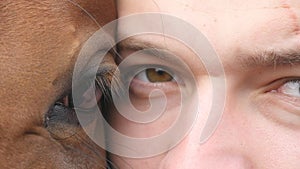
column 285, row 89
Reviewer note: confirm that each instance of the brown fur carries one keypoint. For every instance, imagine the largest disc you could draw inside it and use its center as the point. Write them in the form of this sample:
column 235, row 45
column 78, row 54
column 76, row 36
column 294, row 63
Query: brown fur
column 39, row 44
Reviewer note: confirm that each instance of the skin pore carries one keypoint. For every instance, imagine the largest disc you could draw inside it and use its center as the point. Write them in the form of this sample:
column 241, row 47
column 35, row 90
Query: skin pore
column 258, row 43
column 40, row 41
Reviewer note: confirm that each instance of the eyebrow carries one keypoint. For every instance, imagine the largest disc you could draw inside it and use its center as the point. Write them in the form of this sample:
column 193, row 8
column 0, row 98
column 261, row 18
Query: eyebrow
column 135, row 44
column 270, row 58
column 262, row 58
column 149, row 48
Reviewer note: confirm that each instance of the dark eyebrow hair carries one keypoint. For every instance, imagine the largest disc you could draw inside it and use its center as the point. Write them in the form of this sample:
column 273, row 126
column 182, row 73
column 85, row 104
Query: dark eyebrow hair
column 270, row 58
column 148, row 48
column 259, row 58
column 136, row 44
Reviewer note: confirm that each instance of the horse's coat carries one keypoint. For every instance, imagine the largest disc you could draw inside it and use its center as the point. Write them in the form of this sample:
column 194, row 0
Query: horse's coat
column 39, row 44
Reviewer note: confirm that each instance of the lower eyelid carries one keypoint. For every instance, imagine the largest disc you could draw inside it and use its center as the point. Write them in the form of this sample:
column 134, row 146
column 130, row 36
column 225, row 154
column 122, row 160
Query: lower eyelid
column 143, row 89
column 295, row 101
column 162, row 85
column 276, row 85
column 280, row 109
column 284, row 102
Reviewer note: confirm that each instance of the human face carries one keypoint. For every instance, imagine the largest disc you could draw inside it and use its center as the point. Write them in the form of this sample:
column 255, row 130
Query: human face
column 40, row 41
column 258, row 43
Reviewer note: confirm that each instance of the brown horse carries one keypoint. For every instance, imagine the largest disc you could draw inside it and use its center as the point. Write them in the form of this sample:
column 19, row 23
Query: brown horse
column 40, row 41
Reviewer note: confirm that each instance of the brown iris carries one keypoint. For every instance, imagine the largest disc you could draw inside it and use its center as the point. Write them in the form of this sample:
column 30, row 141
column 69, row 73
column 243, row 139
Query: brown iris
column 158, row 75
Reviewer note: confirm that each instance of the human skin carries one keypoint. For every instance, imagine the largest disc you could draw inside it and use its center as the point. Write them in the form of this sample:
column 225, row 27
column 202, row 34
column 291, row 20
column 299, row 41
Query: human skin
column 260, row 126
column 40, row 41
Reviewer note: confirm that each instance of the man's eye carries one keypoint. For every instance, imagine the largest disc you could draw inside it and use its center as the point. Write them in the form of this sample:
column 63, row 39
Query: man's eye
column 155, row 75
column 291, row 88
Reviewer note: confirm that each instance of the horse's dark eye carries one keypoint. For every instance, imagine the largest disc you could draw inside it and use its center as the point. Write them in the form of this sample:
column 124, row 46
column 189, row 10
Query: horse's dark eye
column 89, row 94
column 66, row 101
column 61, row 119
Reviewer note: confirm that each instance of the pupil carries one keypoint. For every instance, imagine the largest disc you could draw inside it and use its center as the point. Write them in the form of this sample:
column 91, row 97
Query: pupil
column 160, row 72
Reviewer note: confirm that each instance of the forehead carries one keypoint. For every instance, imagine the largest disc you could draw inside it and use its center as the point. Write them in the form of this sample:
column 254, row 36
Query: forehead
column 199, row 12
column 232, row 25
column 226, row 17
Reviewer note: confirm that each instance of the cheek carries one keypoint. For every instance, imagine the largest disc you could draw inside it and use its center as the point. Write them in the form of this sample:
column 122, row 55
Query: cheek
column 154, row 128
column 282, row 148
column 273, row 145
column 162, row 119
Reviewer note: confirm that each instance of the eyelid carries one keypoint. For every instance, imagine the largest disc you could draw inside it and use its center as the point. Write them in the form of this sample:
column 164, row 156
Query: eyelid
column 281, row 108
column 275, row 89
column 275, row 84
column 285, row 86
column 142, row 88
column 142, row 76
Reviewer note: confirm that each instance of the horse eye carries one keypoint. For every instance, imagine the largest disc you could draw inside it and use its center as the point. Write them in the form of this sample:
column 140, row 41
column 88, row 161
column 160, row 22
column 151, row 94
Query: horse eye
column 88, row 96
column 66, row 101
